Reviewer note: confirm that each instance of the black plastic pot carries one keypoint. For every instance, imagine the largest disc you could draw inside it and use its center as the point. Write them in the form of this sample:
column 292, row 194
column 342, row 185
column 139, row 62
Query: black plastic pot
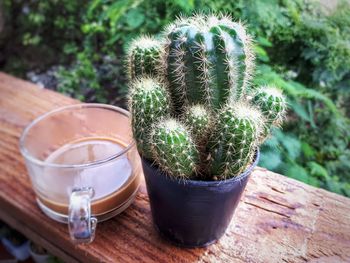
column 193, row 213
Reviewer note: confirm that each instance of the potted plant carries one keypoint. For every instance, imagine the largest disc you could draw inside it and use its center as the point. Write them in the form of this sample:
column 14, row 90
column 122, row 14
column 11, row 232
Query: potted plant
column 198, row 123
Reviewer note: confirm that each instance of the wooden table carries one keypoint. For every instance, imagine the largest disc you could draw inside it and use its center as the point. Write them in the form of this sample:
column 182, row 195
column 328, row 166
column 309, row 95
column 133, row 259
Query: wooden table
column 278, row 220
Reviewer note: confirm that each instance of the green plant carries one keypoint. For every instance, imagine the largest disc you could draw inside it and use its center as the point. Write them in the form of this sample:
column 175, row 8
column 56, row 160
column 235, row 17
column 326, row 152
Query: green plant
column 173, row 148
column 37, row 34
column 299, row 48
column 234, row 140
column 272, row 104
column 149, row 102
column 207, row 63
column 79, row 78
column 207, row 58
column 197, row 118
column 144, row 54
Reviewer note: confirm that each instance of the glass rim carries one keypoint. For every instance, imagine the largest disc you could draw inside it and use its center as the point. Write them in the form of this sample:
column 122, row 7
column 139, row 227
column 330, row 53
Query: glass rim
column 28, row 156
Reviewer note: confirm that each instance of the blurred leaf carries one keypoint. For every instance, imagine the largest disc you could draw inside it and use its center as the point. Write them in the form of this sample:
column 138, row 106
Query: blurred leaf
column 187, row 5
column 297, row 172
column 291, row 144
column 262, row 41
column 135, row 18
column 314, row 181
column 70, row 48
column 265, row 74
column 36, row 18
column 270, row 159
column 334, row 185
column 261, row 54
column 300, row 110
column 117, row 9
column 311, row 113
column 317, row 170
column 272, row 141
column 93, row 5
column 307, row 150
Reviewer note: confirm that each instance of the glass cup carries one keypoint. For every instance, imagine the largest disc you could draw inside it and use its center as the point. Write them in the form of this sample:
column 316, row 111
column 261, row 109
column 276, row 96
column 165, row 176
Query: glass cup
column 83, row 165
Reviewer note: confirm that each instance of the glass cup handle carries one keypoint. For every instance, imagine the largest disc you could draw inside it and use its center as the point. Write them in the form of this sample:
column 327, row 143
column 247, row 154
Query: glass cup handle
column 81, row 224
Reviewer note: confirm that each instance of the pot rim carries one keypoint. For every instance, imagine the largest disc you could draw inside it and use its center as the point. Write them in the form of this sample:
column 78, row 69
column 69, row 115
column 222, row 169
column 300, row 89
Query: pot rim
column 201, row 183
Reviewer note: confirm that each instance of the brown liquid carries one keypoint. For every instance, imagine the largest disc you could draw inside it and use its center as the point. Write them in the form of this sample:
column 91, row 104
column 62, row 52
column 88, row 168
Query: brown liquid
column 114, row 182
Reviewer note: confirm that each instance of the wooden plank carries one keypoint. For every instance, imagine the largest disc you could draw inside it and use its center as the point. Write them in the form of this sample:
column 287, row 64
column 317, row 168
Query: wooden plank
column 278, row 220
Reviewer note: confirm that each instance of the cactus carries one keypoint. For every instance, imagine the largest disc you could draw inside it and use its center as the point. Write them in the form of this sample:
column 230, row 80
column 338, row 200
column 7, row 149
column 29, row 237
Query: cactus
column 203, row 67
column 198, row 120
column 173, row 148
column 148, row 102
column 235, row 139
column 143, row 57
column 207, row 59
column 272, row 103
column 273, row 106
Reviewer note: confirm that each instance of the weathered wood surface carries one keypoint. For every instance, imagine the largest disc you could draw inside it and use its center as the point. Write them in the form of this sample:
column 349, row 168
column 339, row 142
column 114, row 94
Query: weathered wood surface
column 278, row 220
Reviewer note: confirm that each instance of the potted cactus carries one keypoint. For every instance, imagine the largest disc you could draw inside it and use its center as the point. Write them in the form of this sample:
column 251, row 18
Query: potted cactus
column 198, row 123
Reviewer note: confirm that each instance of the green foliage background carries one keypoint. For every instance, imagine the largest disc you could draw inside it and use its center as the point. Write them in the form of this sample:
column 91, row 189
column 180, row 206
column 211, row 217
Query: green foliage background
column 299, row 49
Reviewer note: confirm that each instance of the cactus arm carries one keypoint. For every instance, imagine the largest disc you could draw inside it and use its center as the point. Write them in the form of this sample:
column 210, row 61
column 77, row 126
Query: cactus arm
column 134, row 70
column 272, row 104
column 194, row 92
column 235, row 139
column 143, row 62
column 233, row 61
column 243, row 40
column 173, row 148
column 148, row 102
column 217, row 155
column 176, row 69
column 143, row 57
column 208, row 61
column 236, row 64
column 221, row 93
column 198, row 120
column 206, row 58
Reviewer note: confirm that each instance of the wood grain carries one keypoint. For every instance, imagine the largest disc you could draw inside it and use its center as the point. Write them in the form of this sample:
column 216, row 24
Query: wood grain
column 278, row 219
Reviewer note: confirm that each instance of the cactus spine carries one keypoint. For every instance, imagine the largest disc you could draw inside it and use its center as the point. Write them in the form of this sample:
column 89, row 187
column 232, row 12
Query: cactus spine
column 143, row 57
column 198, row 120
column 208, row 59
column 203, row 66
column 173, row 148
column 233, row 143
column 148, row 102
column 271, row 103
